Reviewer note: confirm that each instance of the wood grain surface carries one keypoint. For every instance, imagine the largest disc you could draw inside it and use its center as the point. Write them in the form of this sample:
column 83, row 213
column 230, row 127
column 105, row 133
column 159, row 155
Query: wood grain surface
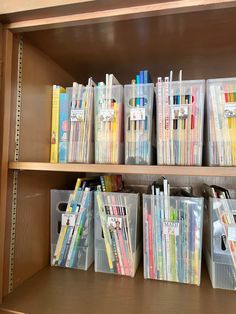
column 98, row 14
column 32, row 246
column 199, row 43
column 5, row 103
column 39, row 74
column 127, row 169
column 62, row 291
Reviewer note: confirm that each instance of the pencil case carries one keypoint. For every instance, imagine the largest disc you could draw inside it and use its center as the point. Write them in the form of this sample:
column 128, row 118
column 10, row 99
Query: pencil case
column 172, row 238
column 180, row 114
column 80, row 252
column 109, row 142
column 138, row 100
column 117, row 233
column 221, row 121
column 81, row 136
column 220, row 242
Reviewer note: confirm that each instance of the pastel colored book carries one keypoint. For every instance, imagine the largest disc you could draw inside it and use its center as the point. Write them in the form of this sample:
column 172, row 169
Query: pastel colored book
column 138, row 98
column 65, row 100
column 74, row 248
column 180, row 116
column 117, row 234
column 81, row 123
column 172, row 227
column 221, row 118
column 57, row 91
column 108, row 103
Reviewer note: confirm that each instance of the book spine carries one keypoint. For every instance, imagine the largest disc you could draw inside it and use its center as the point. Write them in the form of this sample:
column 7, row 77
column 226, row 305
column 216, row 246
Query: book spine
column 115, row 251
column 103, row 183
column 160, row 124
column 150, row 243
column 57, row 90
column 64, row 128
column 145, row 243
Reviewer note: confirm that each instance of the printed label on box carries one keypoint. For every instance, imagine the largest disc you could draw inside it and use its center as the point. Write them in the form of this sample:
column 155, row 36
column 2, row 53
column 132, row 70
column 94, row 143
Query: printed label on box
column 170, row 228
column 232, row 233
column 179, row 112
column 107, row 115
column 77, row 115
column 137, row 114
column 230, row 110
column 114, row 222
column 68, row 220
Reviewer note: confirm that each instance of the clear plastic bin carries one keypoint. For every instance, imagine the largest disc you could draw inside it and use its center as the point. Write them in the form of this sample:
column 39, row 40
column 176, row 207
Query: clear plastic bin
column 180, row 115
column 85, row 246
column 81, row 137
column 118, row 237
column 172, row 237
column 221, row 121
column 220, row 242
column 138, row 101
column 109, row 142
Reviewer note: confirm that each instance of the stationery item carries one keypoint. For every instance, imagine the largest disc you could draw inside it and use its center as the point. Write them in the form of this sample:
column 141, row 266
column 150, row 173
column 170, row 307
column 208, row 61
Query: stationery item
column 109, row 121
column 74, row 248
column 221, row 117
column 180, row 113
column 138, row 120
column 57, row 90
column 81, row 123
column 117, row 233
column 172, row 227
column 65, row 100
column 220, row 236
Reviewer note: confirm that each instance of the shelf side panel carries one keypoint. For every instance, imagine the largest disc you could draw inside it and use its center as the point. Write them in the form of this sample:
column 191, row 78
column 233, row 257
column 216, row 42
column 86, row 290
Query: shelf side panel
column 5, row 101
column 39, row 74
column 32, row 245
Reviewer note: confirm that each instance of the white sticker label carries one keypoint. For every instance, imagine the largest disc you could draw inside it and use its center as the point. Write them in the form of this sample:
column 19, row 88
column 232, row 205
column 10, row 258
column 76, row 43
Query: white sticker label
column 114, row 222
column 230, row 110
column 68, row 220
column 77, row 115
column 171, row 228
column 107, row 115
column 179, row 112
column 137, row 114
column 232, row 233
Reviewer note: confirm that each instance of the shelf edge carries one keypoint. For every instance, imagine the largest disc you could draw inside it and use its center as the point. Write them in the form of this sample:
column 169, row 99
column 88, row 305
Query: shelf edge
column 126, row 169
column 163, row 8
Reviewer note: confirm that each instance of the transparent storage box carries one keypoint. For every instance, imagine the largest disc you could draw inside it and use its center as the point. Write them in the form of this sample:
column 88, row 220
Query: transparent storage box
column 172, row 238
column 117, row 233
column 180, row 115
column 138, row 101
column 220, row 242
column 83, row 249
column 109, row 142
column 81, row 136
column 221, row 121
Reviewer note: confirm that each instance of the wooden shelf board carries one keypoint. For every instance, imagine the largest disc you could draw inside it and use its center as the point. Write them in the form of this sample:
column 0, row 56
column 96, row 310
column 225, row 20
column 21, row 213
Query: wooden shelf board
column 120, row 13
column 128, row 169
column 57, row 290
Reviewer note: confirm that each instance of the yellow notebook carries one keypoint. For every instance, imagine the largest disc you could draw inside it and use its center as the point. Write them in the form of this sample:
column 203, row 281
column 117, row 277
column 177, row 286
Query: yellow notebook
column 57, row 90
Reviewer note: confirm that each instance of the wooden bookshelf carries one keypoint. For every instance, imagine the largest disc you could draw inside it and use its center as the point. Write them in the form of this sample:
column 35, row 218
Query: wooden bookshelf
column 127, row 169
column 185, row 34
